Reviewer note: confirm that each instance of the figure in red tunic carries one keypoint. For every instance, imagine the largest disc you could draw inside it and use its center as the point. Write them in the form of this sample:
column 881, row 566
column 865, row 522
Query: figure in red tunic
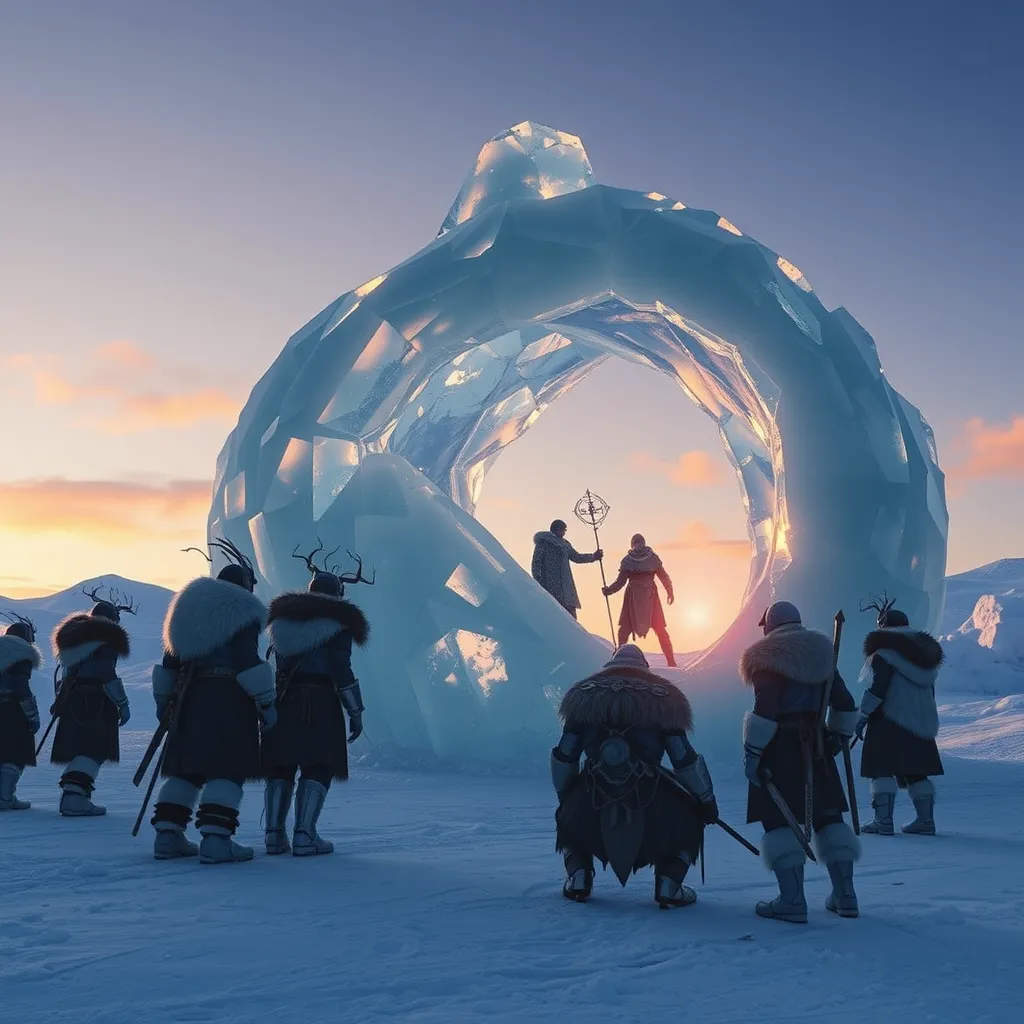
column 641, row 606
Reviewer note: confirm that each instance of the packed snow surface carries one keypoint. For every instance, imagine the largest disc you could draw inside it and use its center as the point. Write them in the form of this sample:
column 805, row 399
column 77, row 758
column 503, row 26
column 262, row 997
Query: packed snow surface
column 442, row 905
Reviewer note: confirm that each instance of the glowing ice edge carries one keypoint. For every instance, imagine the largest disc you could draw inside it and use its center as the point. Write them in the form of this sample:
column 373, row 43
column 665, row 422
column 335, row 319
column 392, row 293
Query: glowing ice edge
column 375, row 427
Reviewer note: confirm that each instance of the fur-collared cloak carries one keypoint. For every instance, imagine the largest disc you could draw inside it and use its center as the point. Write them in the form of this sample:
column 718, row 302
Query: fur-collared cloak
column 916, row 657
column 300, row 622
column 79, row 636
column 623, row 697
column 800, row 655
column 14, row 650
column 206, row 613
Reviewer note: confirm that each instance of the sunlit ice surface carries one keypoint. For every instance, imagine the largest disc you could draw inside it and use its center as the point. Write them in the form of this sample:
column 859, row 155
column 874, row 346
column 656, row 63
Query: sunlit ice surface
column 375, row 427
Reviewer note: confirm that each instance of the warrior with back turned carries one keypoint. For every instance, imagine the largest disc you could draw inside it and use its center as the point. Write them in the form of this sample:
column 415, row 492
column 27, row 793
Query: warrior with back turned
column 91, row 704
column 220, row 690
column 789, row 671
column 311, row 634
column 624, row 808
column 19, row 713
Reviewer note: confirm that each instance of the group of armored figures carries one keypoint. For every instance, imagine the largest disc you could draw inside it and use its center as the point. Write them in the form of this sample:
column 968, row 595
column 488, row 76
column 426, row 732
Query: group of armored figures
column 226, row 717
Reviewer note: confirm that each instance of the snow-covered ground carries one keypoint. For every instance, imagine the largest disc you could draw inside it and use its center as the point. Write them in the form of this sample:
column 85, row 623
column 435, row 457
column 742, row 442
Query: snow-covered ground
column 442, row 905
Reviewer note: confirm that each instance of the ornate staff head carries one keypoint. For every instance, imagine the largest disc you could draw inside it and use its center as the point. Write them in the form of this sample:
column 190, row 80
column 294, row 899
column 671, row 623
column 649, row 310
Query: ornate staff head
column 591, row 509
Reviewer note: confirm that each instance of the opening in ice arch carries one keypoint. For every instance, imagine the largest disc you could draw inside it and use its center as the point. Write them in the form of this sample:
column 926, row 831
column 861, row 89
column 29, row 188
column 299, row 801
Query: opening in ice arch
column 376, row 426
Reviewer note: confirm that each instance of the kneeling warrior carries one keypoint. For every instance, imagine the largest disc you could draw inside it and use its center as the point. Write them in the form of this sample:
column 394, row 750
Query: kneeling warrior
column 789, row 670
column 311, row 635
column 899, row 720
column 19, row 713
column 221, row 690
column 90, row 704
column 624, row 808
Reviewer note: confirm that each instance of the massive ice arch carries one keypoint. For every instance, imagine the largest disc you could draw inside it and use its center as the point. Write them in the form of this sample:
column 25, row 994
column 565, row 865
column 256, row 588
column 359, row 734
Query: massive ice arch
column 376, row 426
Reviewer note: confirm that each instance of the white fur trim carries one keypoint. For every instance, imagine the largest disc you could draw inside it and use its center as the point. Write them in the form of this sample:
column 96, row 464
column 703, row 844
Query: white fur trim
column 178, row 791
column 164, row 681
column 923, row 677
column 13, row 649
column 869, row 703
column 800, row 655
column 223, row 792
column 758, row 731
column 85, row 765
column 925, row 787
column 836, row 843
column 781, row 849
column 207, row 613
column 72, row 656
column 258, row 682
column 842, row 722
column 885, row 786
column 291, row 637
column 911, row 706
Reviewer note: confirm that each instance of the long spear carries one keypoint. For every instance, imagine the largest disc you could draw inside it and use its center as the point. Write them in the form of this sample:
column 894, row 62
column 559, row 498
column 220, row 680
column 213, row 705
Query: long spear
column 593, row 509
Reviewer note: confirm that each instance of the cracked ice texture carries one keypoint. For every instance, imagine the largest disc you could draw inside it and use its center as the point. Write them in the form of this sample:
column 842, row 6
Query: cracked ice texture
column 538, row 274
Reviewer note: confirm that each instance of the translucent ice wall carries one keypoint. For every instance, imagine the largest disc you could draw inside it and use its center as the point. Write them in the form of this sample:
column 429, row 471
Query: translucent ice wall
column 537, row 275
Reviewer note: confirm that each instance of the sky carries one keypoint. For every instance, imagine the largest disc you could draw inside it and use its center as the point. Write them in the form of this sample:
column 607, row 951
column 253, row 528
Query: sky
column 182, row 186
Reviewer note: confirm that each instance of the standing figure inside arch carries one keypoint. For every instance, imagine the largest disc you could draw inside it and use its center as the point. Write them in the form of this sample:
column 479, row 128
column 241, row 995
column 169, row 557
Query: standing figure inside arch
column 552, row 554
column 641, row 606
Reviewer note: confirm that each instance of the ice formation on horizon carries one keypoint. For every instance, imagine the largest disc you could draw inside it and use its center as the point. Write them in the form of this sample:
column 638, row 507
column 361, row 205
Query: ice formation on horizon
column 537, row 275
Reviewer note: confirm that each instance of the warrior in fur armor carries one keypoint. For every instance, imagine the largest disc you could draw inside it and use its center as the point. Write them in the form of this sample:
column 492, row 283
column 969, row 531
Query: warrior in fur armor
column 641, row 606
column 624, row 808
column 19, row 713
column 90, row 702
column 789, row 670
column 223, row 691
column 311, row 635
column 899, row 720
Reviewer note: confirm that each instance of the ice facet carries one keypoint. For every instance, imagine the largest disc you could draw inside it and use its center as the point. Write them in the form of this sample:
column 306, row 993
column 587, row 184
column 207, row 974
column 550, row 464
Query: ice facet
column 376, row 426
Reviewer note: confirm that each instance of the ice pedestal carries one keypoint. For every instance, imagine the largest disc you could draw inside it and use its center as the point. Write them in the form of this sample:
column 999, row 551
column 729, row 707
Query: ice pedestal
column 539, row 274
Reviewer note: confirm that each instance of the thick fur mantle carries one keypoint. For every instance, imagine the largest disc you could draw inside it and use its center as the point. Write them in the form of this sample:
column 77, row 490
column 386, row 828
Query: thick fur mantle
column 301, row 622
column 918, row 648
column 800, row 655
column 547, row 537
column 910, row 699
column 13, row 649
column 646, row 561
column 624, row 698
column 80, row 635
column 207, row 613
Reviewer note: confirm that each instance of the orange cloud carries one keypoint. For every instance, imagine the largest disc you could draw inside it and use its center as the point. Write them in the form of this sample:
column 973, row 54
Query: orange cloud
column 700, row 538
column 119, row 393
column 989, row 451
column 691, row 469
column 105, row 510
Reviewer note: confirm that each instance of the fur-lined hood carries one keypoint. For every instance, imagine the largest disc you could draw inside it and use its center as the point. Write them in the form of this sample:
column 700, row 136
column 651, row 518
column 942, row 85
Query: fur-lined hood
column 646, row 561
column 798, row 654
column 207, row 613
column 13, row 650
column 80, row 635
column 622, row 697
column 300, row 622
column 914, row 645
column 547, row 537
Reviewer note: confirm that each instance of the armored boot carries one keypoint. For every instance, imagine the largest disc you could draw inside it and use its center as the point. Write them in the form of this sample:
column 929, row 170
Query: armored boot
column 218, row 821
column 783, row 854
column 669, row 890
column 579, row 878
column 9, row 776
column 923, row 795
column 837, row 848
column 171, row 816
column 883, row 799
column 77, row 785
column 277, row 799
column 309, row 802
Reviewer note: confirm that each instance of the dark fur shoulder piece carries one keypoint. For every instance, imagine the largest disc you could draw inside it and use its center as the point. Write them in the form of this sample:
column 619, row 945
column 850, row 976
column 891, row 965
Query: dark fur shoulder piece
column 301, row 606
column 623, row 698
column 798, row 654
column 80, row 629
column 919, row 648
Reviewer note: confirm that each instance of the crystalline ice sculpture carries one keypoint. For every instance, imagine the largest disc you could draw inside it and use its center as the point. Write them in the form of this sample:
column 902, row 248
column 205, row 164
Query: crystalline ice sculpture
column 376, row 426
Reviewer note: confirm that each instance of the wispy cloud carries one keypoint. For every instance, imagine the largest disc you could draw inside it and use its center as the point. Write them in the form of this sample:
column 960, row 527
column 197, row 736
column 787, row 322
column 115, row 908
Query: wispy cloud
column 109, row 511
column 699, row 537
column 122, row 389
column 691, row 469
column 985, row 451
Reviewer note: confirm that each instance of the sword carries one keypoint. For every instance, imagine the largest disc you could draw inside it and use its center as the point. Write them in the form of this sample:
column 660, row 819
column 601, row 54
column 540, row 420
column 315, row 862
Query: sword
column 773, row 792
column 854, row 813
column 727, row 829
